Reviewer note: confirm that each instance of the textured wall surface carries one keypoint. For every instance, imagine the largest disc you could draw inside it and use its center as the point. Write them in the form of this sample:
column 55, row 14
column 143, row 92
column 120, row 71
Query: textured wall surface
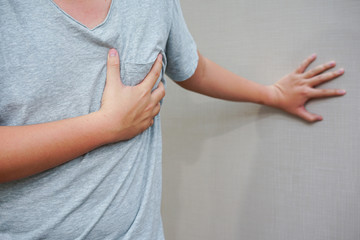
column 240, row 171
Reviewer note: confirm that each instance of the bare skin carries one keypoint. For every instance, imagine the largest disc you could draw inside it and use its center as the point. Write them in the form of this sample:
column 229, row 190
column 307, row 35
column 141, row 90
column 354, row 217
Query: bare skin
column 91, row 13
column 290, row 93
column 127, row 111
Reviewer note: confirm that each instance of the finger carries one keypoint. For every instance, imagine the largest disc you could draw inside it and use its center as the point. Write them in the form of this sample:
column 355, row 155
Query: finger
column 156, row 109
column 319, row 69
column 310, row 117
column 153, row 75
column 319, row 79
column 305, row 64
column 322, row 93
column 147, row 123
column 113, row 67
column 158, row 93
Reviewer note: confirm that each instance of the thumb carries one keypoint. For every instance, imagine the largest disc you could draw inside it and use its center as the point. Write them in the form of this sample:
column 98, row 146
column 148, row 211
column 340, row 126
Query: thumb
column 310, row 117
column 113, row 68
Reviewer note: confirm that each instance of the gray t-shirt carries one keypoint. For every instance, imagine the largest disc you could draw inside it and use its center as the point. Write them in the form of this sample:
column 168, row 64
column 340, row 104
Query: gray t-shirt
column 53, row 67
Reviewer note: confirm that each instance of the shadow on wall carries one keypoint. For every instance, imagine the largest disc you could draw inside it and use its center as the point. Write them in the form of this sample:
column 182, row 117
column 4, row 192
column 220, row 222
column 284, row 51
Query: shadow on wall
column 200, row 121
column 189, row 127
column 300, row 175
column 290, row 168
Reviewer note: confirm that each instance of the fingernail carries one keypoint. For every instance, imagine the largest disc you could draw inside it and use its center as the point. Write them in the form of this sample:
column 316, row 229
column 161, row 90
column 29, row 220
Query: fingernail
column 112, row 52
column 341, row 91
column 332, row 64
column 313, row 56
column 159, row 57
column 340, row 71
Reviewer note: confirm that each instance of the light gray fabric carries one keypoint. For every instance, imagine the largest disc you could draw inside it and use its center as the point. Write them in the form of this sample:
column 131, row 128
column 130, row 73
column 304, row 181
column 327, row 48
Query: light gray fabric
column 239, row 171
column 51, row 68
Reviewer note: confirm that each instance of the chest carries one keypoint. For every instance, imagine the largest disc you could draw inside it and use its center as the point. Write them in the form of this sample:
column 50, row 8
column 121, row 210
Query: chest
column 90, row 13
column 59, row 65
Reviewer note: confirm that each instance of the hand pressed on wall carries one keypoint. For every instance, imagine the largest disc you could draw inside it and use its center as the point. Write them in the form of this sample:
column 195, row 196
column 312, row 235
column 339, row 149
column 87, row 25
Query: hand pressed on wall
column 294, row 90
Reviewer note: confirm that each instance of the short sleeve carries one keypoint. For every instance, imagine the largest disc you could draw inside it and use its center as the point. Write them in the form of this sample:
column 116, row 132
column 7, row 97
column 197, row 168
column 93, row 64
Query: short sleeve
column 181, row 50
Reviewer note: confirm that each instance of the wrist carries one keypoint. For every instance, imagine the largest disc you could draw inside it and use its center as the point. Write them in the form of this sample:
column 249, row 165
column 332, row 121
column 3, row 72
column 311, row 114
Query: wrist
column 271, row 96
column 267, row 97
column 102, row 127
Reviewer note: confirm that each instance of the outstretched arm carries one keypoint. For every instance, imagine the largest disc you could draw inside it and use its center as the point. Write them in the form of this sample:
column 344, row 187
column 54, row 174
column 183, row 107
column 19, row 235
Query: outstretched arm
column 290, row 93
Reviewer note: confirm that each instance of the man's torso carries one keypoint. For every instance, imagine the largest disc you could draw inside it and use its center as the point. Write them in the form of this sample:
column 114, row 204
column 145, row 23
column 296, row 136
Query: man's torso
column 53, row 67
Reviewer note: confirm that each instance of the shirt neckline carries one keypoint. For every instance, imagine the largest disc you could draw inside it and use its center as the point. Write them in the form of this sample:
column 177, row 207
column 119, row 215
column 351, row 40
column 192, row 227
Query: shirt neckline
column 60, row 10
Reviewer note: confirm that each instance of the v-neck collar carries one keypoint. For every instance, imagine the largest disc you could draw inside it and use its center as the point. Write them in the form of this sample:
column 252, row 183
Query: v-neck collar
column 78, row 22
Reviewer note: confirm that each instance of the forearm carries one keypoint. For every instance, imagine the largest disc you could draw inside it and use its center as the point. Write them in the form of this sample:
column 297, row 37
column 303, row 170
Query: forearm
column 124, row 113
column 27, row 150
column 290, row 93
column 215, row 81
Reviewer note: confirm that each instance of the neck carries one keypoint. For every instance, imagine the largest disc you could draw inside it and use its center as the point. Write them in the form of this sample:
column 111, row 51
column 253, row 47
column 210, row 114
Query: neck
column 88, row 12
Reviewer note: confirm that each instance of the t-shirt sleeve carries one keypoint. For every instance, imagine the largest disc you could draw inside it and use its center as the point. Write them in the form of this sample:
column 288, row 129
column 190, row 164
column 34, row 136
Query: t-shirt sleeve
column 181, row 51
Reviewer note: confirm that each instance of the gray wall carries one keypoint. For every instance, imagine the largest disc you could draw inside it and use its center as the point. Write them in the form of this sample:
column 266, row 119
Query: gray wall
column 242, row 171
